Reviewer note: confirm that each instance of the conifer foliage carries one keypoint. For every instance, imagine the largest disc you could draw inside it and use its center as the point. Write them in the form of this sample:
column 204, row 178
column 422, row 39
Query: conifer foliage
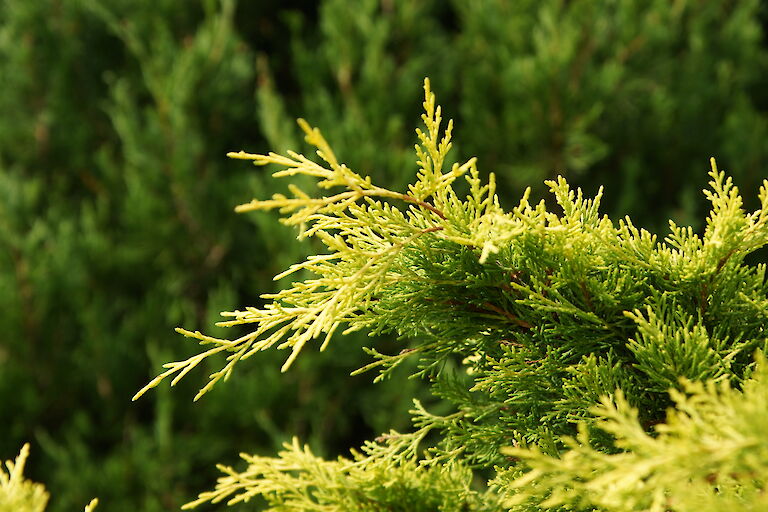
column 588, row 363
column 115, row 219
column 18, row 494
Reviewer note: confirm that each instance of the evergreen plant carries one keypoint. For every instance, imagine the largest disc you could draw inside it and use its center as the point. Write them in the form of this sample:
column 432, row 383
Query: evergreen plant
column 17, row 494
column 115, row 214
column 604, row 93
column 588, row 364
column 113, row 225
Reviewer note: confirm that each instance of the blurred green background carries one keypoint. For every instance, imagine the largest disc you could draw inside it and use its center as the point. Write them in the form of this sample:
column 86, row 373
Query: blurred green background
column 116, row 199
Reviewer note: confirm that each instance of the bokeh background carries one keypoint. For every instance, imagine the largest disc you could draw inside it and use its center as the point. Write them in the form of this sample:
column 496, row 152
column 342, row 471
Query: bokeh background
column 116, row 198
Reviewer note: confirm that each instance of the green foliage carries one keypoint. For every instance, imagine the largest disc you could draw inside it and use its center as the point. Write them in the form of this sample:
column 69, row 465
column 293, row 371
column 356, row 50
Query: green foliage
column 710, row 454
column 605, row 93
column 101, row 179
column 115, row 214
column 617, row 88
column 526, row 321
column 372, row 481
column 20, row 495
column 114, row 224
column 361, row 256
column 353, row 73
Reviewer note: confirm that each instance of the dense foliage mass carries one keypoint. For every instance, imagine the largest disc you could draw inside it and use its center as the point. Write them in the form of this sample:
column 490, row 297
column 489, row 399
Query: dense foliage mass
column 115, row 211
column 535, row 326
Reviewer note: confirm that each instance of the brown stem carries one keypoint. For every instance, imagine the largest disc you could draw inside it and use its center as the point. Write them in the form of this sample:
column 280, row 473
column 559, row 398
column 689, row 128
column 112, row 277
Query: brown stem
column 515, row 319
column 411, row 199
column 432, row 229
column 586, row 296
column 724, row 260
